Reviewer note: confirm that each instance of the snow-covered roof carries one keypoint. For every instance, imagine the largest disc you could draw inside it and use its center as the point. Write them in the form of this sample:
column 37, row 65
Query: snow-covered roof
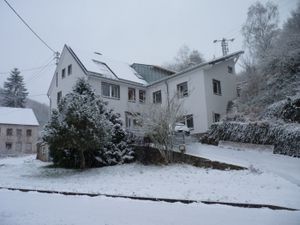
column 17, row 116
column 112, row 69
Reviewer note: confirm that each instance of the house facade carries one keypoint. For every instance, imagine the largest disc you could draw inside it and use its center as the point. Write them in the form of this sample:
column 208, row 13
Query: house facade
column 18, row 131
column 203, row 89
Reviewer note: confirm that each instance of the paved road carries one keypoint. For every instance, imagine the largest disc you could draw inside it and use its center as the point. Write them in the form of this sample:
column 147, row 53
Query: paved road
column 30, row 208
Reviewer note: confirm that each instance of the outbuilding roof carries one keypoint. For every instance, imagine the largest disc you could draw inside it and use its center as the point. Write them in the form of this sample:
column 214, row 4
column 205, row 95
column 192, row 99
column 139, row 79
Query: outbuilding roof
column 17, row 116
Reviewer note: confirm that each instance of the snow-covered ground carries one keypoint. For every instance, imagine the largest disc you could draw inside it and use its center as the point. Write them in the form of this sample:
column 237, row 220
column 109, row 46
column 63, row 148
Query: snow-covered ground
column 32, row 208
column 173, row 181
column 284, row 166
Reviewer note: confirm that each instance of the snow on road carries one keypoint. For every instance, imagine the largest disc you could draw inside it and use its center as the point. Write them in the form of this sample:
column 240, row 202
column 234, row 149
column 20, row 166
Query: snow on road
column 18, row 208
column 173, row 181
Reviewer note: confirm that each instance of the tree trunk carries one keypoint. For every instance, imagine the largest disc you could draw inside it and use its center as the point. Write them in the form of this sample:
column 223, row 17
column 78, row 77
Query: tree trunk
column 82, row 160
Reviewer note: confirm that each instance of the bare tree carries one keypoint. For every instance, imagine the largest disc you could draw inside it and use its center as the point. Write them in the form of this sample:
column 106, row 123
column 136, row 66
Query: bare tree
column 261, row 29
column 185, row 58
column 159, row 121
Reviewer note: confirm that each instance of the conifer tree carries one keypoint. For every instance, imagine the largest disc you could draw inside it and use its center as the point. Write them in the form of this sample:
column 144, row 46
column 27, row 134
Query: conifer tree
column 83, row 133
column 15, row 92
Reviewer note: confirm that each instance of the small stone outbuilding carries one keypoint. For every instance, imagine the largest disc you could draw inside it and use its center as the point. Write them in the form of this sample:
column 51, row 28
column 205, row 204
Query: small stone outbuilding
column 18, row 131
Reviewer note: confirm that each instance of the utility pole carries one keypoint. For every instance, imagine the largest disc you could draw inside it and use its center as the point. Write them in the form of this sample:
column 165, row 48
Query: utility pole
column 56, row 57
column 224, row 44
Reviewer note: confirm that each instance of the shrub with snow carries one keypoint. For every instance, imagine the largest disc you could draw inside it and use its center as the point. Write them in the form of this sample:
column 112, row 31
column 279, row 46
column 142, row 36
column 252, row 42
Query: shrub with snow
column 83, row 133
column 284, row 137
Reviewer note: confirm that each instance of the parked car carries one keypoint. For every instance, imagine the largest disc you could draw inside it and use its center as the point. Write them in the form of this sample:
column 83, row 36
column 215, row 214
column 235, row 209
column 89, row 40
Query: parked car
column 182, row 128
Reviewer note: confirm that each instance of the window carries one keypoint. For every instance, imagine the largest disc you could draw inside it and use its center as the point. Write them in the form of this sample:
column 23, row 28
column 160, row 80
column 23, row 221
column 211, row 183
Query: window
column 59, row 96
column 217, row 87
column 19, row 146
column 230, row 69
column 142, row 95
column 8, row 145
column 19, row 132
column 189, row 121
column 131, row 94
column 127, row 119
column 157, row 97
column 63, row 73
column 28, row 132
column 217, row 117
column 110, row 90
column 28, row 147
column 56, row 79
column 70, row 69
column 9, row 132
column 182, row 90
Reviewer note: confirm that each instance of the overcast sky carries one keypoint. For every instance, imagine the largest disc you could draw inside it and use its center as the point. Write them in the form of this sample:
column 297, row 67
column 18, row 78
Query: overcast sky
column 131, row 31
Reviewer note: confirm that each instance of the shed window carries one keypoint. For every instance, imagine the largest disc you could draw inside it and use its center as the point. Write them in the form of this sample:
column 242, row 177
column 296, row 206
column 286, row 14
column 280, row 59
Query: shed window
column 9, row 132
column 8, row 145
column 19, row 132
column 157, row 97
column 28, row 132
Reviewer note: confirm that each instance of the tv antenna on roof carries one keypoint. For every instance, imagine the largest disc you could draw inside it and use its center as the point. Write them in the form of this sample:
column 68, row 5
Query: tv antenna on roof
column 224, row 44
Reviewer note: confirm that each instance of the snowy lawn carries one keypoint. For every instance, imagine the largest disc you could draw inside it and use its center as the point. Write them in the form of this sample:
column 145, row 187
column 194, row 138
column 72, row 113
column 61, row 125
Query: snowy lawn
column 173, row 181
column 32, row 208
column 284, row 166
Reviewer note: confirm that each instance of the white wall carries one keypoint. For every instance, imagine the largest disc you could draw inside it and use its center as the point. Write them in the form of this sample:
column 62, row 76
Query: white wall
column 218, row 103
column 194, row 103
column 65, row 85
column 119, row 105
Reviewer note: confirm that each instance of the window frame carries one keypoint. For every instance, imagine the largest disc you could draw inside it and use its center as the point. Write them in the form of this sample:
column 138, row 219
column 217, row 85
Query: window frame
column 8, row 144
column 154, row 94
column 218, row 90
column 58, row 97
column 56, row 79
column 69, row 69
column 19, row 132
column 180, row 92
column 134, row 94
column 63, row 73
column 215, row 115
column 28, row 132
column 113, row 89
column 9, row 132
column 230, row 69
column 143, row 99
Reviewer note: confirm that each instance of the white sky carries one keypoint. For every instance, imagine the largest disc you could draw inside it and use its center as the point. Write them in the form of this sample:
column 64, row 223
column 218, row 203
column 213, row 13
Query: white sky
column 131, row 31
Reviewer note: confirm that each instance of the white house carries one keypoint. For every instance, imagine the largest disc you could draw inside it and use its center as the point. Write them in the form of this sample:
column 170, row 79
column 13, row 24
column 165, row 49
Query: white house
column 205, row 88
column 18, row 131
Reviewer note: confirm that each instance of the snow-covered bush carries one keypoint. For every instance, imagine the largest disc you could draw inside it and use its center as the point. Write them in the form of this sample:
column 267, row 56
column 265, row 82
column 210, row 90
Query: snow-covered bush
column 284, row 137
column 83, row 133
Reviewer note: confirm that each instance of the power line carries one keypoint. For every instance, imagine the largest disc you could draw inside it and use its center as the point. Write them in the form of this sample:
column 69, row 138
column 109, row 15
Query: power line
column 38, row 73
column 27, row 25
column 32, row 68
